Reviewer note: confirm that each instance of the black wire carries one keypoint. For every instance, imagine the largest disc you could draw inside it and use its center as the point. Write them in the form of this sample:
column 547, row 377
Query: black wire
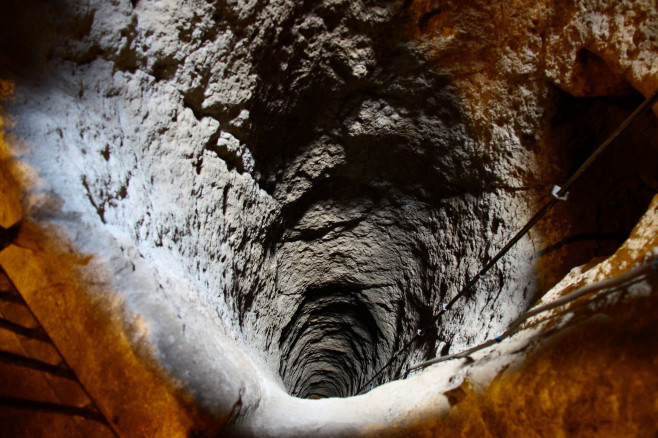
column 522, row 232
column 641, row 275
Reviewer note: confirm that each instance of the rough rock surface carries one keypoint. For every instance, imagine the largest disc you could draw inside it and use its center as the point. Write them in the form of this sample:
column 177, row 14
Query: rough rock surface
column 279, row 193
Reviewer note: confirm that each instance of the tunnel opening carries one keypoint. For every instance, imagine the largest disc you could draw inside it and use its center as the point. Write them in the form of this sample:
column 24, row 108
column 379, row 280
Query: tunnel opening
column 330, row 343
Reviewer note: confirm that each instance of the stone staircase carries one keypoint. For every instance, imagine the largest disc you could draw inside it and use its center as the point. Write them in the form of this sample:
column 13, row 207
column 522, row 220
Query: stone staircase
column 40, row 395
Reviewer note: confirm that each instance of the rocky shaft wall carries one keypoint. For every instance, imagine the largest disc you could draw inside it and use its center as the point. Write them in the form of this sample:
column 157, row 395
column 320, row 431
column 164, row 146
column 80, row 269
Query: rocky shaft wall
column 279, row 194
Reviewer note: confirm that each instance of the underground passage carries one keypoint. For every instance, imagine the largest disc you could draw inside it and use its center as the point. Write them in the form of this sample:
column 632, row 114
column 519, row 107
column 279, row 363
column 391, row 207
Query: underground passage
column 340, row 218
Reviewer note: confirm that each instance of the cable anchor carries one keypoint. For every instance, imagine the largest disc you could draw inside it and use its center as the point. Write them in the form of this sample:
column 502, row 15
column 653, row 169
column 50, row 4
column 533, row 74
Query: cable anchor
column 555, row 192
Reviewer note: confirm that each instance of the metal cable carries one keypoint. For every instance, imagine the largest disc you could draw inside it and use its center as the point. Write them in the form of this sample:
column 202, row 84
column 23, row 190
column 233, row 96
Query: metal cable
column 614, row 284
column 559, row 195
